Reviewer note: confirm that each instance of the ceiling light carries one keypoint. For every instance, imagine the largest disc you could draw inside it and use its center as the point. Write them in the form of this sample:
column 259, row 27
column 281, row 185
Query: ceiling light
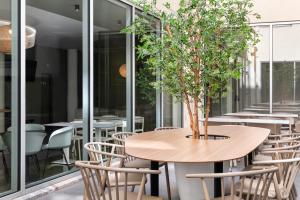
column 122, row 70
column 77, row 7
column 6, row 35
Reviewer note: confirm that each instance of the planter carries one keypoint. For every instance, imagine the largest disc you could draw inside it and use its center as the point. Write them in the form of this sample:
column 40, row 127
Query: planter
column 191, row 189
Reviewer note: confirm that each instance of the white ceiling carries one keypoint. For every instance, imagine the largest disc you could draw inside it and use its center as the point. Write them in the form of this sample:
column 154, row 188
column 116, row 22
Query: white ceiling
column 59, row 25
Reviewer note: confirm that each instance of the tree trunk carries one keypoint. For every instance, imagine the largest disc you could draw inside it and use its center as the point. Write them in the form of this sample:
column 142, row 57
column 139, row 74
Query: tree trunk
column 208, row 103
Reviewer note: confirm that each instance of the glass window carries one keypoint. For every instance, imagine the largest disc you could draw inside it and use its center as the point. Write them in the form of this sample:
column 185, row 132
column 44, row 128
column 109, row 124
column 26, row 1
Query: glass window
column 145, row 95
column 8, row 137
column 286, row 68
column 110, row 69
column 53, row 89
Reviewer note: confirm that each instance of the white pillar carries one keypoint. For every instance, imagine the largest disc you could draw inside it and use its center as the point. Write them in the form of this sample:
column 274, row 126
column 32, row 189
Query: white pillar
column 72, row 83
column 2, row 91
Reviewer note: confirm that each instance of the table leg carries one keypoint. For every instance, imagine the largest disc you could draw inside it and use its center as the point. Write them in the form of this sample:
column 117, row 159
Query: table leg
column 250, row 158
column 154, row 179
column 218, row 168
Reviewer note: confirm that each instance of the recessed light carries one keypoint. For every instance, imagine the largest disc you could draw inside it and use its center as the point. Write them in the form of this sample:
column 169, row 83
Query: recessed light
column 77, row 7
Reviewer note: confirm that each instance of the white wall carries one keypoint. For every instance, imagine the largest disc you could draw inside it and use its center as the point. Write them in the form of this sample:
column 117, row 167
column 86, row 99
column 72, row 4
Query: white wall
column 269, row 10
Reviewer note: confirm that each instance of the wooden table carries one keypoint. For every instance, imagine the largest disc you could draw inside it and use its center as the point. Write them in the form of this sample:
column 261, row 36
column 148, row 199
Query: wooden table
column 173, row 146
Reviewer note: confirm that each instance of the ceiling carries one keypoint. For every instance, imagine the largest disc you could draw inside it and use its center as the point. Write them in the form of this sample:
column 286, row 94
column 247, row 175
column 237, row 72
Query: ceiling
column 58, row 25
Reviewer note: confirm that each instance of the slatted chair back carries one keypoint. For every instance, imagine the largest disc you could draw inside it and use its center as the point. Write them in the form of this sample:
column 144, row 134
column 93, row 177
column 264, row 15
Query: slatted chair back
column 119, row 139
column 258, row 182
column 97, row 181
column 286, row 175
column 283, row 147
column 105, row 153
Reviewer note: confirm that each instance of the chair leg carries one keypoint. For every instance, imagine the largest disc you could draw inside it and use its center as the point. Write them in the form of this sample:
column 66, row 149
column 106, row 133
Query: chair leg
column 168, row 181
column 46, row 162
column 5, row 165
column 37, row 163
column 65, row 158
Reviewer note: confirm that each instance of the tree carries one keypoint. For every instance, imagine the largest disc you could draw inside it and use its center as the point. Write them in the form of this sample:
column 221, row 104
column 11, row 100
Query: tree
column 199, row 49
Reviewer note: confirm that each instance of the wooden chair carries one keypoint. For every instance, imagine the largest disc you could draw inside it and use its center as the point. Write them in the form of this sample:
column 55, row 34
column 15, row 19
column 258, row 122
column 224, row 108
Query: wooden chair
column 266, row 153
column 131, row 162
column 287, row 172
column 111, row 155
column 259, row 191
column 98, row 182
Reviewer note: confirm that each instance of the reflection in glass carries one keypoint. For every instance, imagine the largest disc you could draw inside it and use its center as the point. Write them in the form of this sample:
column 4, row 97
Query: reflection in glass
column 8, row 138
column 286, row 71
column 53, row 89
column 110, row 69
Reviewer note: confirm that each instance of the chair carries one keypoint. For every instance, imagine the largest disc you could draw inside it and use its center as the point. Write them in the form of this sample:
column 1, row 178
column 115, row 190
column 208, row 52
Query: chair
column 287, row 172
column 111, row 155
column 97, row 182
column 131, row 162
column 2, row 150
column 35, row 134
column 259, row 191
column 265, row 153
column 58, row 141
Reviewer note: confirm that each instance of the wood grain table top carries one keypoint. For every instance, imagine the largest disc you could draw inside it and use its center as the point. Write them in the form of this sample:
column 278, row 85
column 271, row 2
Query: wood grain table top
column 173, row 146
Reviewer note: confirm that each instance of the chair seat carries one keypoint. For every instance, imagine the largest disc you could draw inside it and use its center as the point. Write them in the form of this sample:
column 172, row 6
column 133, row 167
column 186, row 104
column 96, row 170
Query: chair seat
column 138, row 163
column 271, row 193
column 141, row 163
column 130, row 196
column 133, row 179
column 261, row 157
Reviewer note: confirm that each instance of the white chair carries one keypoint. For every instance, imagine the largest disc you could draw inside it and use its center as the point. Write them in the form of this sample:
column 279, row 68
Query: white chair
column 59, row 140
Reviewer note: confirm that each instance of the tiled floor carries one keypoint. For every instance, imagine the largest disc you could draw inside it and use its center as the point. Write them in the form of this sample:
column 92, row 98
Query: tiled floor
column 75, row 191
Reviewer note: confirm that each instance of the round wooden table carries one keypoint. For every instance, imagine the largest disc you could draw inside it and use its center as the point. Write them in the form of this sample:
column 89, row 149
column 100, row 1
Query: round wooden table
column 174, row 146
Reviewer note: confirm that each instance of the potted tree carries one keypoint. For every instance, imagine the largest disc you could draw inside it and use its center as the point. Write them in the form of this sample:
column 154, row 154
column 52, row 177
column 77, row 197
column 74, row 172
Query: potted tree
column 201, row 46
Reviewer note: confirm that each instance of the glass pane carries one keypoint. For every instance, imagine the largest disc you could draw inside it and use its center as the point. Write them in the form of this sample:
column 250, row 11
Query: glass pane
column 286, row 68
column 53, row 89
column 145, row 97
column 110, row 70
column 253, row 94
column 8, row 138
column 171, row 111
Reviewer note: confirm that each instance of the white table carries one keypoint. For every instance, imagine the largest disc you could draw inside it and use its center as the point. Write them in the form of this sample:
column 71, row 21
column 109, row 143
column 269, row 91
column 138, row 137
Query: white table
column 289, row 116
column 248, row 120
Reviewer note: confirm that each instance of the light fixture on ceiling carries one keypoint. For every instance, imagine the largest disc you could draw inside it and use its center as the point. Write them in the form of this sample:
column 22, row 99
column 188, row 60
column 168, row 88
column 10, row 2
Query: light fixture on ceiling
column 77, row 7
column 6, row 35
column 122, row 70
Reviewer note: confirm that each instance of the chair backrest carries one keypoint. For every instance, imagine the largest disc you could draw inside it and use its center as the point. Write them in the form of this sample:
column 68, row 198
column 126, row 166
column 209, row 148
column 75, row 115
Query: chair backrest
column 254, row 184
column 291, row 146
column 105, row 153
column 97, row 181
column 287, row 172
column 164, row 128
column 31, row 127
column 120, row 137
column 34, row 142
column 35, row 134
column 61, row 138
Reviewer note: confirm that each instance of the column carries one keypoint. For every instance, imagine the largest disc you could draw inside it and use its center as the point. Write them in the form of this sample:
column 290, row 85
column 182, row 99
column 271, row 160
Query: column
column 72, row 84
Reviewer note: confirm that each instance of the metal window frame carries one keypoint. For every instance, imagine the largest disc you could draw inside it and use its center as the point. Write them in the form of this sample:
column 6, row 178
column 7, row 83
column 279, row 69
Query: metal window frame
column 271, row 26
column 19, row 84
